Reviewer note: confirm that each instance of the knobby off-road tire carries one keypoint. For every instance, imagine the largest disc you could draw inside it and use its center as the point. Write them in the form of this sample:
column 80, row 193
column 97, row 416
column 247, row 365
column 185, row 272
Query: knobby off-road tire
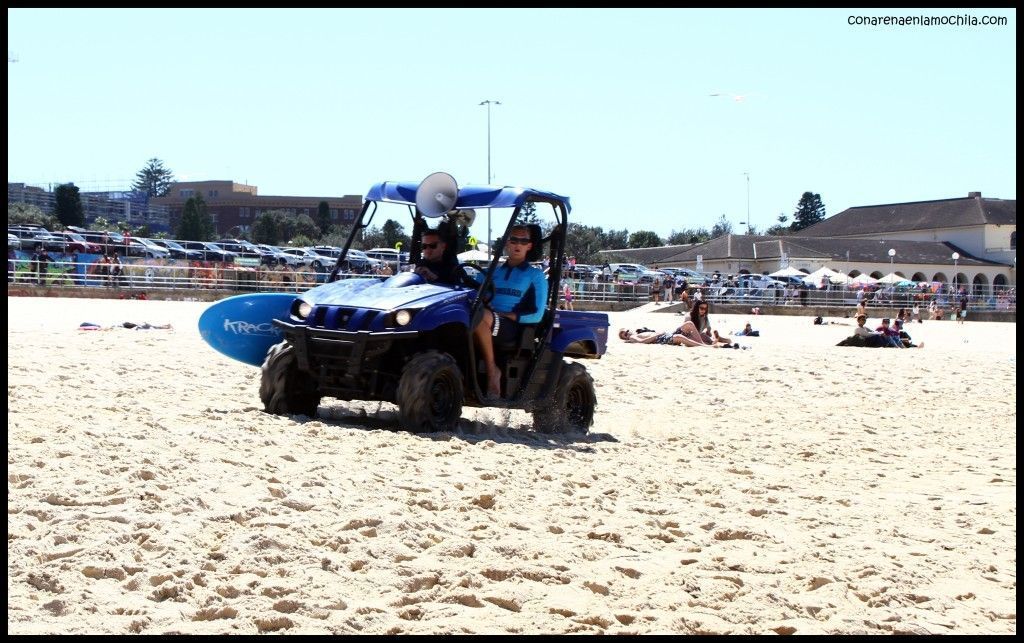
column 429, row 393
column 571, row 410
column 284, row 389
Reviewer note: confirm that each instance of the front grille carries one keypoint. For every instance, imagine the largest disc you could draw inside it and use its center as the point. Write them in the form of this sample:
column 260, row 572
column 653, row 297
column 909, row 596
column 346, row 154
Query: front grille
column 342, row 318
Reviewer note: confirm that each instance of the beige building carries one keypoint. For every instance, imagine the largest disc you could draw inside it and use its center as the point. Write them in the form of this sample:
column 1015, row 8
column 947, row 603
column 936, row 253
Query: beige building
column 970, row 240
column 235, row 205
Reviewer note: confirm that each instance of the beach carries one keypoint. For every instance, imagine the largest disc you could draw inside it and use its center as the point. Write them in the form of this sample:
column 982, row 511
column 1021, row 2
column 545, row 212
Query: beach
column 792, row 488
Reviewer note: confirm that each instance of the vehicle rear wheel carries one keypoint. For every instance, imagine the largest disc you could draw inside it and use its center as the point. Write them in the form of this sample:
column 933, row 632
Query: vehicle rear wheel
column 284, row 389
column 571, row 410
column 430, row 393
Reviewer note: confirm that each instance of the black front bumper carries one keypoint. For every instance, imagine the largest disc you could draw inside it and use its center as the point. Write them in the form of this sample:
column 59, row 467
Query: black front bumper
column 348, row 364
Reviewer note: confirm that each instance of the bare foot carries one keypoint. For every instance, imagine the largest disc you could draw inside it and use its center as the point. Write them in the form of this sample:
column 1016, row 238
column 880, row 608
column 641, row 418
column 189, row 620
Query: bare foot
column 494, row 383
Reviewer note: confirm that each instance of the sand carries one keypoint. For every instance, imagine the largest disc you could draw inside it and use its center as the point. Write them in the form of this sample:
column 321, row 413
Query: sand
column 795, row 487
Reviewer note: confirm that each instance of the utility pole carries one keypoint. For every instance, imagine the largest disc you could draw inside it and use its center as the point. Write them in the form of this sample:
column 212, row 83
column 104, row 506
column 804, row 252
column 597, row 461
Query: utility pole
column 748, row 201
column 489, row 103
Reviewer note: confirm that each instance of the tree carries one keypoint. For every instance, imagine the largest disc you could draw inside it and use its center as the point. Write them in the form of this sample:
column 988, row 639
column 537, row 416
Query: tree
column 68, row 209
column 336, row 238
column 153, row 179
column 393, row 233
column 104, row 225
column 21, row 213
column 809, row 210
column 780, row 229
column 300, row 241
column 372, row 237
column 275, row 227
column 323, row 217
column 616, row 239
column 196, row 224
column 583, row 242
column 644, row 239
column 722, row 227
column 268, row 228
column 687, row 236
column 302, row 225
column 528, row 214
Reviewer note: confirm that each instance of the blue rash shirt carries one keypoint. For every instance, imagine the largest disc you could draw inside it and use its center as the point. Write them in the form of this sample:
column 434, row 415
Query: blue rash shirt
column 522, row 290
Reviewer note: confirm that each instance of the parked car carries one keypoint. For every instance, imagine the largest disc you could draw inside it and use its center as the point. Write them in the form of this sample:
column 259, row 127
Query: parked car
column 178, row 251
column 634, row 272
column 75, row 242
column 395, row 258
column 241, row 247
column 310, row 258
column 272, row 256
column 211, row 251
column 107, row 241
column 143, row 247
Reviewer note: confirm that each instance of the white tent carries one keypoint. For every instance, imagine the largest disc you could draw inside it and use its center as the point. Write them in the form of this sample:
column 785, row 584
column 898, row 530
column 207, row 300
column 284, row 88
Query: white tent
column 788, row 271
column 891, row 278
column 474, row 255
column 864, row 279
column 815, row 277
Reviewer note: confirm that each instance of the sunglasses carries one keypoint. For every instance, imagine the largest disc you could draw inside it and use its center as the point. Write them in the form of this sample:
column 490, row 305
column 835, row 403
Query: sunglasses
column 520, row 241
column 431, row 246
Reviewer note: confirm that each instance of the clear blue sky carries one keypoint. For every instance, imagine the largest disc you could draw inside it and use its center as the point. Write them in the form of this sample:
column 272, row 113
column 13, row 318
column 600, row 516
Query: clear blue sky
column 610, row 107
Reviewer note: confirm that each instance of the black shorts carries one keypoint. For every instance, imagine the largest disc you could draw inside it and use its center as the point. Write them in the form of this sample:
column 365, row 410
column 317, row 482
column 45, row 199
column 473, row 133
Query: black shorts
column 504, row 330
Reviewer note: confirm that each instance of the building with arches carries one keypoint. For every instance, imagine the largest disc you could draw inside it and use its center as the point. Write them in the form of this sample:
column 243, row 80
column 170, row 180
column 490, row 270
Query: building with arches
column 968, row 241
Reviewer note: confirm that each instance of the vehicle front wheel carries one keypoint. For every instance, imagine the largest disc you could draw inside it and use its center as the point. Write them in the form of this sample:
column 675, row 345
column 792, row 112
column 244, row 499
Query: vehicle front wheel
column 571, row 410
column 430, row 394
column 284, row 389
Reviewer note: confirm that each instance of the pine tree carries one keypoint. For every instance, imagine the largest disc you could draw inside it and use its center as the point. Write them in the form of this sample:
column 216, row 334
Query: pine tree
column 68, row 208
column 323, row 217
column 527, row 214
column 154, row 179
column 809, row 210
column 196, row 224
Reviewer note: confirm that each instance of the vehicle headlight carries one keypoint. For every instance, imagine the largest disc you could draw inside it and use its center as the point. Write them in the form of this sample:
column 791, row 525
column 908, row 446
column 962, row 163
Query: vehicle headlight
column 303, row 310
column 403, row 317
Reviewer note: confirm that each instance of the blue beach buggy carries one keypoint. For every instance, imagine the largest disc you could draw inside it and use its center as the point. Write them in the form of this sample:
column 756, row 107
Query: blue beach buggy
column 402, row 340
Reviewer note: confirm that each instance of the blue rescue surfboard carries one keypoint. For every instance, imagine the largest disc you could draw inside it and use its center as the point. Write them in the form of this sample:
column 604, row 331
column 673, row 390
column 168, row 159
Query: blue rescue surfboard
column 242, row 328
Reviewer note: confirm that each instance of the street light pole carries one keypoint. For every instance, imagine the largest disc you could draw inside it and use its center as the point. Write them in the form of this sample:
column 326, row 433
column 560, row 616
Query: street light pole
column 956, row 258
column 489, row 103
column 892, row 253
column 747, row 174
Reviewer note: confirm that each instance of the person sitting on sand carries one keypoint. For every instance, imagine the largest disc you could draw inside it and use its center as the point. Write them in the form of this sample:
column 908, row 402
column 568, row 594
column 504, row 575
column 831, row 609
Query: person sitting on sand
column 864, row 336
column 890, row 334
column 904, row 336
column 697, row 326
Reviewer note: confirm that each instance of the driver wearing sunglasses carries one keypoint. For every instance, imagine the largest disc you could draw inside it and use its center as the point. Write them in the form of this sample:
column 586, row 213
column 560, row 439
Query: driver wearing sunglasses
column 434, row 266
column 520, row 293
